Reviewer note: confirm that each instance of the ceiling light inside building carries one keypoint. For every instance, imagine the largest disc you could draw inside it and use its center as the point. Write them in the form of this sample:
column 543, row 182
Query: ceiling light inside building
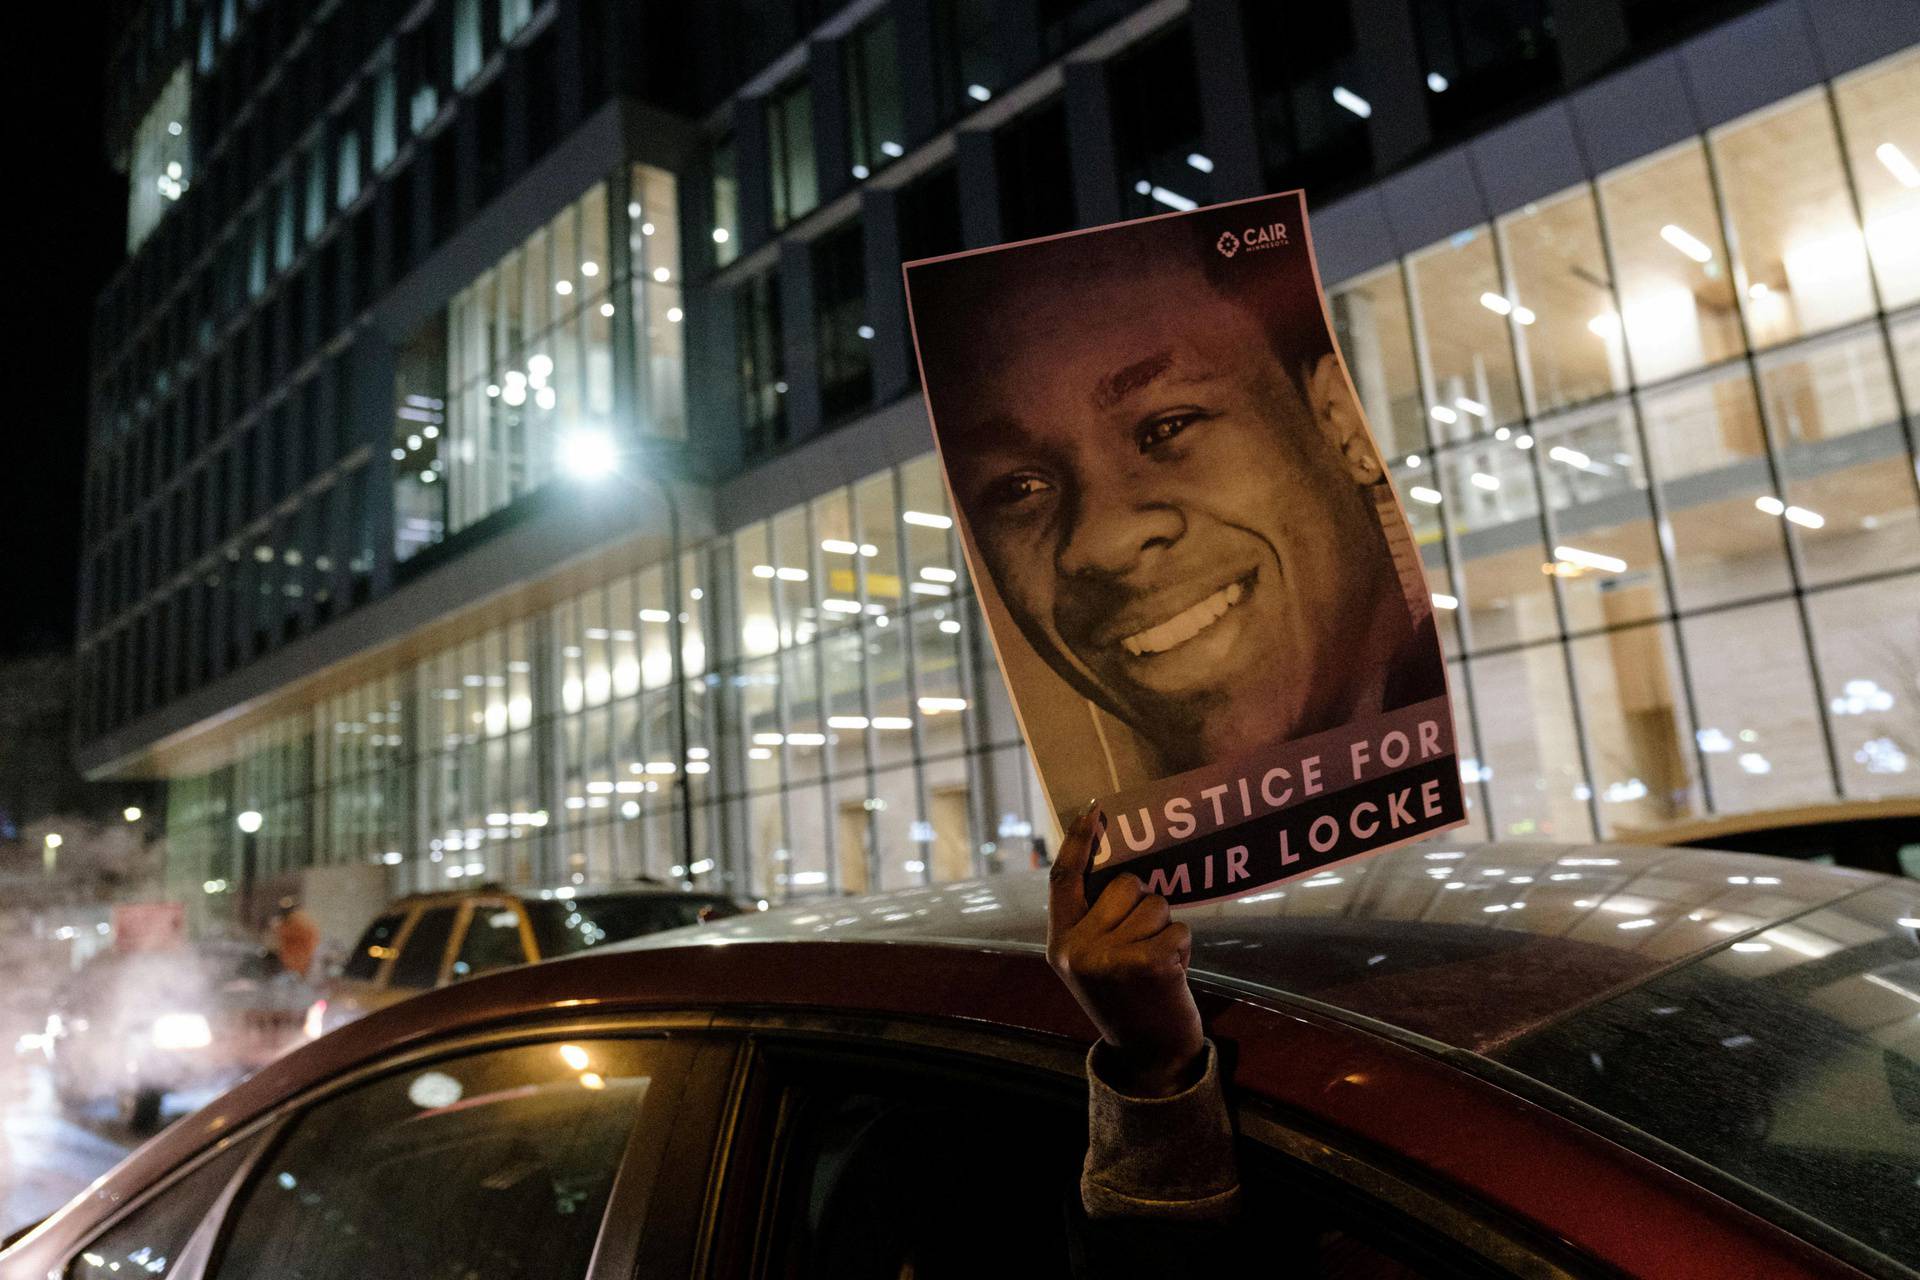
column 1806, row 519
column 1686, row 243
column 1897, row 164
column 1352, row 101
column 1200, row 162
column 1437, row 82
column 979, row 92
column 1590, row 559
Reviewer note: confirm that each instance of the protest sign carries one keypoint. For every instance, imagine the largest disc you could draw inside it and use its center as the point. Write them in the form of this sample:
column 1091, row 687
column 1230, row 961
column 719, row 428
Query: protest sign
column 1199, row 583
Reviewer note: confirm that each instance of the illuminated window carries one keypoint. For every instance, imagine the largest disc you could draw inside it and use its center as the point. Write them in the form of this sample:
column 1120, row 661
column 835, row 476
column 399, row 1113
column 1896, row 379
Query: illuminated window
column 796, row 187
column 874, row 106
column 517, row 383
column 160, row 168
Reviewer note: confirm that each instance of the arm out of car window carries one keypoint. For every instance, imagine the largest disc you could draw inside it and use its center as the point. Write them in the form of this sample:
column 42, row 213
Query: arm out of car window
column 1160, row 1189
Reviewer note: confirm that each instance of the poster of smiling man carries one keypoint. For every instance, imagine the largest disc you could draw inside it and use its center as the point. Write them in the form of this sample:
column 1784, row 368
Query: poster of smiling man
column 1201, row 588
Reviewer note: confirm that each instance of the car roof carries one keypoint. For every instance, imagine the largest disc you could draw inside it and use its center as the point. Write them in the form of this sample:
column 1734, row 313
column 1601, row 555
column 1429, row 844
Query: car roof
column 1381, row 944
column 1471, row 946
column 580, row 892
column 1694, row 831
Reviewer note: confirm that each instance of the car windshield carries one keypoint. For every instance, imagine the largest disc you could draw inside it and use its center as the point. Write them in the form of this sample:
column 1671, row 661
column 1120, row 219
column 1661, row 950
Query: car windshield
column 566, row 925
column 1789, row 1059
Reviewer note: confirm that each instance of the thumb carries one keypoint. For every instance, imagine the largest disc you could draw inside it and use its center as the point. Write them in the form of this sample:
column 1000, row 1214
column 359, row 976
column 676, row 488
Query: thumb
column 1067, row 881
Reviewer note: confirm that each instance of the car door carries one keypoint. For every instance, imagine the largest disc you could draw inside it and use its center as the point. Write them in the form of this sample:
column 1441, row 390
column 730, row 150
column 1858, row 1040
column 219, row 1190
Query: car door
column 861, row 1153
column 515, row 1156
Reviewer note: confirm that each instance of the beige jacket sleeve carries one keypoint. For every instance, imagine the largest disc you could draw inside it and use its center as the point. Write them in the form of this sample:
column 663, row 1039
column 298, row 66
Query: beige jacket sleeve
column 1170, row 1159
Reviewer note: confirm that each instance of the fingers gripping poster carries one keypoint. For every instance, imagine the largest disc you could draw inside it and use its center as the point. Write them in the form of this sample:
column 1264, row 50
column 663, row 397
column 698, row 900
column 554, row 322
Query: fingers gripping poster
column 1202, row 591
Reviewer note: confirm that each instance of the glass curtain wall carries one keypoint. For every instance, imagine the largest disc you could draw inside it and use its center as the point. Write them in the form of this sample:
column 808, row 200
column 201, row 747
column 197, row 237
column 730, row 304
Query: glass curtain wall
column 1655, row 437
column 574, row 333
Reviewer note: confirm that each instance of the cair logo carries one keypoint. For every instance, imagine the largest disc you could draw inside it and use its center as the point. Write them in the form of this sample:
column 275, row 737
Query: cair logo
column 1273, row 235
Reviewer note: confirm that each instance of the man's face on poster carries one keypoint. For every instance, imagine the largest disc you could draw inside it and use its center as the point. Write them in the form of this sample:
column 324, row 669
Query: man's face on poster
column 1164, row 512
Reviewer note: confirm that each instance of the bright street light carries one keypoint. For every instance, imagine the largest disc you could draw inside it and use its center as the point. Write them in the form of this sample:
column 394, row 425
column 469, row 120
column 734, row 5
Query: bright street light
column 249, row 821
column 54, row 840
column 131, row 813
column 587, row 453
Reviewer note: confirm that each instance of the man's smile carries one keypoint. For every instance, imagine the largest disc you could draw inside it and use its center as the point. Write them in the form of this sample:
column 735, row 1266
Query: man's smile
column 1158, row 625
column 1186, row 624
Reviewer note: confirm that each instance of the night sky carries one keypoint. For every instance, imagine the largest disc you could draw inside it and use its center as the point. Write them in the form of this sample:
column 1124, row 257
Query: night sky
column 69, row 211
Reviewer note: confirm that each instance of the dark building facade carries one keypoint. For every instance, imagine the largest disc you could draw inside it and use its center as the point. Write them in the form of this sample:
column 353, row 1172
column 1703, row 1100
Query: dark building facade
column 507, row 461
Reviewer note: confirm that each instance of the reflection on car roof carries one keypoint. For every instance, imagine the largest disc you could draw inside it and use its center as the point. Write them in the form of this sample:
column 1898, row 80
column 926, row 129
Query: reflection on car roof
column 1468, row 945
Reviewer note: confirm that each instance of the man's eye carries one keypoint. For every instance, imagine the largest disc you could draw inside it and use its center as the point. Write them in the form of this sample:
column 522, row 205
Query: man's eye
column 1018, row 488
column 1162, row 429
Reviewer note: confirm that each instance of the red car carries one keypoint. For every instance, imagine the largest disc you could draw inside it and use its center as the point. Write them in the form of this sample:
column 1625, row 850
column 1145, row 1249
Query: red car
column 1511, row 1060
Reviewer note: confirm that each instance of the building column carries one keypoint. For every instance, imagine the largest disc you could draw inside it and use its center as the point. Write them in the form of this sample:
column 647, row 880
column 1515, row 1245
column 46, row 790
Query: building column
column 1096, row 170
column 1589, row 36
column 797, row 323
column 1016, row 32
column 1385, row 44
column 979, row 188
column 886, row 296
column 1231, row 136
column 914, row 49
column 832, row 158
column 752, row 171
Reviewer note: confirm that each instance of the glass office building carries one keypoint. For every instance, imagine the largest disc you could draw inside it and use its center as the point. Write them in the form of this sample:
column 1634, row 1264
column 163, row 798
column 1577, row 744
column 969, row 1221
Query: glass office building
column 616, row 547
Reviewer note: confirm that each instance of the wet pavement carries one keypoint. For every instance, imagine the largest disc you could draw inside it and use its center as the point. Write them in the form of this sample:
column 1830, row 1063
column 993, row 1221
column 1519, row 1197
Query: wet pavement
column 48, row 1155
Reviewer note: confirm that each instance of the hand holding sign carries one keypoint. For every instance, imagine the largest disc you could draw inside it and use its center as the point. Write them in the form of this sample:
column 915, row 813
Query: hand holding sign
column 1125, row 960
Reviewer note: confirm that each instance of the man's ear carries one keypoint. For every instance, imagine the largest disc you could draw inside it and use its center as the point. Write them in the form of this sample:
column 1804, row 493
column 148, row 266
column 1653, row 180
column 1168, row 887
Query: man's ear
column 1338, row 414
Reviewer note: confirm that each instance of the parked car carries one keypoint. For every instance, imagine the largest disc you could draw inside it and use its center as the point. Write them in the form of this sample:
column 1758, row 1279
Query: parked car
column 1873, row 835
column 132, row 1028
column 1516, row 1060
column 428, row 940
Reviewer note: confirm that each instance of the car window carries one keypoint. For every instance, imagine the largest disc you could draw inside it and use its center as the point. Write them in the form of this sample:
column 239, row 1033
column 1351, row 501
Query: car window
column 148, row 1241
column 495, row 1165
column 375, row 945
column 883, row 1176
column 563, row 926
column 1789, row 1060
column 492, row 940
column 426, row 945
column 883, row 1171
column 1328, row 1228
